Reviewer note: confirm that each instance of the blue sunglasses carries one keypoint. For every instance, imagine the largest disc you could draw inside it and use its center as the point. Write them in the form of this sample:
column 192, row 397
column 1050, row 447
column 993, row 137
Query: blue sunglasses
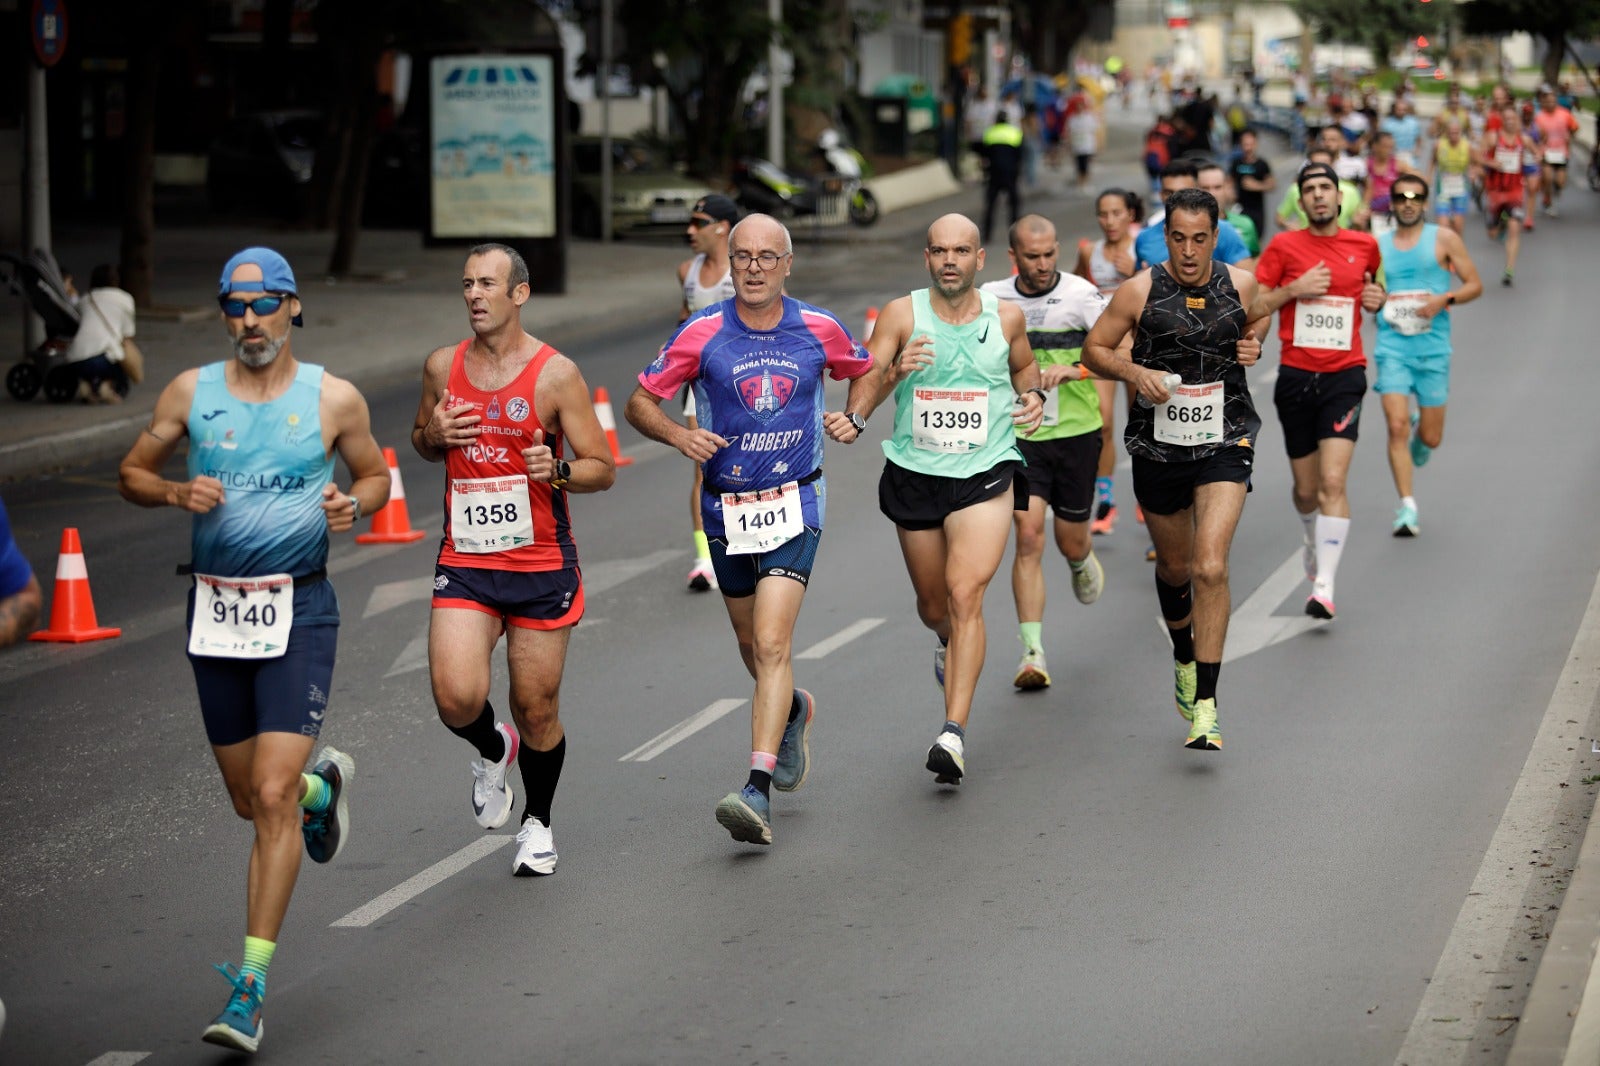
column 261, row 305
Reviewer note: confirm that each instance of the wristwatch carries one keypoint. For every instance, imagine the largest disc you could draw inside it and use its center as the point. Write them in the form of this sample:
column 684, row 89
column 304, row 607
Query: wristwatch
column 563, row 474
column 355, row 508
column 857, row 421
column 1042, row 394
column 1450, row 300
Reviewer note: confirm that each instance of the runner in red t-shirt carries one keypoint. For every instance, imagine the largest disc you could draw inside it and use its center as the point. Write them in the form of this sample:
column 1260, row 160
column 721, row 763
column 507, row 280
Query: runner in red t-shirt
column 1501, row 154
column 1321, row 278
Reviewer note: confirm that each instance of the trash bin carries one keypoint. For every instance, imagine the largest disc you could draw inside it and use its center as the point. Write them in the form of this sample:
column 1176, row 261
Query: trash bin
column 887, row 127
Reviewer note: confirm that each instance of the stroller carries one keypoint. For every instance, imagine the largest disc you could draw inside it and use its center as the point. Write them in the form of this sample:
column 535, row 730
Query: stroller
column 37, row 279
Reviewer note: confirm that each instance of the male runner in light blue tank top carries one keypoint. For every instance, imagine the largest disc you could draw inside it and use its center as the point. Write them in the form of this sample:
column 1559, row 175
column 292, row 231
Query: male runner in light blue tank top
column 262, row 431
column 965, row 381
column 1413, row 349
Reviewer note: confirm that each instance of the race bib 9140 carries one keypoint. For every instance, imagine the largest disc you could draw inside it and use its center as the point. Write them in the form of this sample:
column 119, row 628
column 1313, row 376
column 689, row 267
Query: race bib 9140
column 242, row 617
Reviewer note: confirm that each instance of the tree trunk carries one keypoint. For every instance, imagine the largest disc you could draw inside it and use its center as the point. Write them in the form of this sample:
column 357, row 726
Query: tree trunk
column 1553, row 57
column 138, row 198
column 357, row 155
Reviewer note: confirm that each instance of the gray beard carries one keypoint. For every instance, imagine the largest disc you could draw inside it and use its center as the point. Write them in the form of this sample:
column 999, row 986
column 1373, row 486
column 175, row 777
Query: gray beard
column 258, row 359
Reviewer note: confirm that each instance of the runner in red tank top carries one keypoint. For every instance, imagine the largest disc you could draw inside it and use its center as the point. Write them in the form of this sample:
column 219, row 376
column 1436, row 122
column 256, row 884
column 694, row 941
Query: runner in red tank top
column 1501, row 157
column 497, row 409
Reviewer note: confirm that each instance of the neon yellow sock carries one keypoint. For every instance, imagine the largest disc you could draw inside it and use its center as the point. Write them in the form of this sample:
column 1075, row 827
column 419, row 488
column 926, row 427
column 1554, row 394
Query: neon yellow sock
column 702, row 550
column 1032, row 634
column 257, row 956
column 317, row 794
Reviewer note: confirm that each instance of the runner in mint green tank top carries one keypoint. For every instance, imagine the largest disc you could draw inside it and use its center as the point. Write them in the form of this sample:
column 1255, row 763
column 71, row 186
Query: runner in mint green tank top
column 953, row 419
column 955, row 358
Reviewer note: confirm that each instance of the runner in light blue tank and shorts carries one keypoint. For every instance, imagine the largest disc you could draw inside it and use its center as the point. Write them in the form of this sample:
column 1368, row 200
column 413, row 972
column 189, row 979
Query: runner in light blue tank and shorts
column 1420, row 261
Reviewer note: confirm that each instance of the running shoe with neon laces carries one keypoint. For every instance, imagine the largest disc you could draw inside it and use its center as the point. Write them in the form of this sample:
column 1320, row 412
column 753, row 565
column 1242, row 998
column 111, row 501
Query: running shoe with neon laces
column 1032, row 674
column 1105, row 519
column 327, row 830
column 746, row 815
column 239, row 1026
column 1185, row 677
column 702, row 578
column 1318, row 606
column 536, row 850
column 947, row 758
column 1420, row 452
column 938, row 664
column 794, row 753
column 1205, row 734
column 1405, row 521
column 491, row 792
column 1089, row 580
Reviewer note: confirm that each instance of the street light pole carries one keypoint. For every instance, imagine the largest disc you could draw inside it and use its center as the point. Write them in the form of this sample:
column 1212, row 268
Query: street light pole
column 602, row 82
column 38, row 200
column 774, row 86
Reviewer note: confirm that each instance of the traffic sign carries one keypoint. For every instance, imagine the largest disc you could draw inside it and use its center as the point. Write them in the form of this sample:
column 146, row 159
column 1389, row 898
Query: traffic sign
column 48, row 28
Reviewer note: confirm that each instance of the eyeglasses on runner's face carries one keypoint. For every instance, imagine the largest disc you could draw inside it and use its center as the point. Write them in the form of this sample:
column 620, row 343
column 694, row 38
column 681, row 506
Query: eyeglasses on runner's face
column 765, row 260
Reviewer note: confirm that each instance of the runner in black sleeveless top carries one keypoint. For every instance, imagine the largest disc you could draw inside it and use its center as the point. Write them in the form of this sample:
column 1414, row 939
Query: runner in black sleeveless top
column 1193, row 449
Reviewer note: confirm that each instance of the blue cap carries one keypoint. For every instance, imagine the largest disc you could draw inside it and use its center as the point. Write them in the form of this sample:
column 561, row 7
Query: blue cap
column 275, row 274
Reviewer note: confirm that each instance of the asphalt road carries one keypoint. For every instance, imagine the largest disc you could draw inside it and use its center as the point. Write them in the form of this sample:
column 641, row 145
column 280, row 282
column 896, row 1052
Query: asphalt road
column 1093, row 893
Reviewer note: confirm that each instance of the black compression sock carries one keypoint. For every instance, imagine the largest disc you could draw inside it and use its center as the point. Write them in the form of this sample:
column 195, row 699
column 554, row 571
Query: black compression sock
column 761, row 781
column 1205, row 686
column 1177, row 604
column 1182, row 644
column 481, row 734
column 541, row 770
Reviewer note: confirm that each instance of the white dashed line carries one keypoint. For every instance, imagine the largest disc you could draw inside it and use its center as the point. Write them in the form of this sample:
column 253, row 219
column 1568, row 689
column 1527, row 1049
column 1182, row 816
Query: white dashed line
column 686, row 728
column 840, row 639
column 413, row 887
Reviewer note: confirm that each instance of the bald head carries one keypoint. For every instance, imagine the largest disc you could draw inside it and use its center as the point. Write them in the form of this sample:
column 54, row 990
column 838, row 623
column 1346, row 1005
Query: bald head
column 953, row 229
column 761, row 232
column 1032, row 229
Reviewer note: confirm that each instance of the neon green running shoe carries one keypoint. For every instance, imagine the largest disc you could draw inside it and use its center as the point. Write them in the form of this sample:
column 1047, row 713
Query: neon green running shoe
column 1184, row 679
column 1205, row 734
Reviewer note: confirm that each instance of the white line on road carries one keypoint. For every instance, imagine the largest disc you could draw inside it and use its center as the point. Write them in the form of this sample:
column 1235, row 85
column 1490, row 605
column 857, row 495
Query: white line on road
column 120, row 1058
column 411, row 888
column 1441, row 1031
column 841, row 638
column 686, row 728
column 392, row 594
column 1252, row 625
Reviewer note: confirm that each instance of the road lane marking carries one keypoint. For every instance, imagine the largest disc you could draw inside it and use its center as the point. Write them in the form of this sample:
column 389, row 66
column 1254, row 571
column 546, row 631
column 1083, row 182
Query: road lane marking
column 1252, row 625
column 684, row 729
column 392, row 594
column 1442, row 1029
column 413, row 887
column 120, row 1058
column 597, row 578
column 841, row 638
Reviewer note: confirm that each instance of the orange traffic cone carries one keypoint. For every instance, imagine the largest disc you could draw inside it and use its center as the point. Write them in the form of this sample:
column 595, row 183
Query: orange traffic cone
column 72, row 618
column 392, row 523
column 872, row 324
column 608, row 422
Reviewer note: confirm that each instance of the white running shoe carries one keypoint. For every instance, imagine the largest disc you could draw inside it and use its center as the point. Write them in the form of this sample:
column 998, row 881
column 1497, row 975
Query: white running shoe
column 947, row 758
column 702, row 578
column 1089, row 580
column 491, row 792
column 536, row 850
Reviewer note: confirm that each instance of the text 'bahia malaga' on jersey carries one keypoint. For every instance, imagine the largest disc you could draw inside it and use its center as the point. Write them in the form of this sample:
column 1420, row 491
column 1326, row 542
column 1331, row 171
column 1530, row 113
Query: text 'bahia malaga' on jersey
column 761, row 391
column 272, row 464
column 1058, row 320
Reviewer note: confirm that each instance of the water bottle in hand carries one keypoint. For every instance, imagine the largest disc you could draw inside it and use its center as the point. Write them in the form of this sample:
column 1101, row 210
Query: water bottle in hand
column 1171, row 381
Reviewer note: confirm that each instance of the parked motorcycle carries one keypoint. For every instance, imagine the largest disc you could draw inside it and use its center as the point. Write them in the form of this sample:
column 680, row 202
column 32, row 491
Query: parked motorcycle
column 761, row 185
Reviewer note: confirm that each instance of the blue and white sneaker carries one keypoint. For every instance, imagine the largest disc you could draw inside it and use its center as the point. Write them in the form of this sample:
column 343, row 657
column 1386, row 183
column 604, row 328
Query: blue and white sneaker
column 492, row 798
column 239, row 1025
column 938, row 664
column 326, row 831
column 1405, row 521
column 794, row 754
column 747, row 815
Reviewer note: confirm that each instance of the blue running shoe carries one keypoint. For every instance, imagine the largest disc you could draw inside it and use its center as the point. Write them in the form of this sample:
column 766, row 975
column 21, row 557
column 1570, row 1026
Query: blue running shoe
column 239, row 1026
column 794, row 754
column 1420, row 452
column 747, row 815
column 326, row 831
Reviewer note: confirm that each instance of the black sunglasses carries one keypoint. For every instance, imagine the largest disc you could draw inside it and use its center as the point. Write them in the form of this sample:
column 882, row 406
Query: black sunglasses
column 1410, row 195
column 261, row 305
column 701, row 223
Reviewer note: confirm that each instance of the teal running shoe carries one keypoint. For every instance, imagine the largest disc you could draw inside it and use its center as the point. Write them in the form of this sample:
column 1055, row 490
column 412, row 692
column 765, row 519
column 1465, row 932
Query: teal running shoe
column 746, row 815
column 326, row 831
column 1405, row 521
column 239, row 1026
column 794, row 754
